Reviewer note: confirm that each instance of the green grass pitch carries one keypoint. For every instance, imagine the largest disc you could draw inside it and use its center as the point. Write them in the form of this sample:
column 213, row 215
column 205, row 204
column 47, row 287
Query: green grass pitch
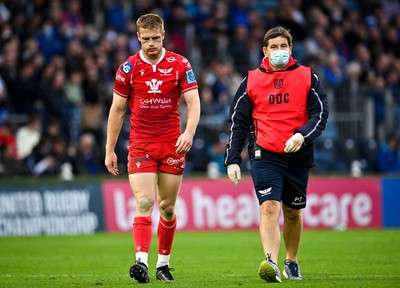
column 355, row 258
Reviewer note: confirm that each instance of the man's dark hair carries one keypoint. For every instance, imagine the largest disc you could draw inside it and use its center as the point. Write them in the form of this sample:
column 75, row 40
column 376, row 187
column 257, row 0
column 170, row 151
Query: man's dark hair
column 277, row 32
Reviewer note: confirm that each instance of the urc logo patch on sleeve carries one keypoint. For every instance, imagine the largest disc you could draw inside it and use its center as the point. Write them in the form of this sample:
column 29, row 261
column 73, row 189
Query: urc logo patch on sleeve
column 190, row 77
column 126, row 67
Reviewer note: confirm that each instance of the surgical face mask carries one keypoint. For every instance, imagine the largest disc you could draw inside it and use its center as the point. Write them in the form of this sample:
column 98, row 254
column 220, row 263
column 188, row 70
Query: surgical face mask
column 279, row 57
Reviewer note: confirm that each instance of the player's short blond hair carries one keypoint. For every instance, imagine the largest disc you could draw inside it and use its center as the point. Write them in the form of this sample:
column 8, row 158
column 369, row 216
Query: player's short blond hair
column 150, row 21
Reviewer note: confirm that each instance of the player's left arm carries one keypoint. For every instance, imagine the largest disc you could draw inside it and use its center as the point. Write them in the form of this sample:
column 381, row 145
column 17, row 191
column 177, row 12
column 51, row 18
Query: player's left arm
column 185, row 141
column 318, row 112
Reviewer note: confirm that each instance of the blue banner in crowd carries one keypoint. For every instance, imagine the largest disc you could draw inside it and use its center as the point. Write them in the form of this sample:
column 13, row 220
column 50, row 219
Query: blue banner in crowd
column 391, row 200
column 64, row 209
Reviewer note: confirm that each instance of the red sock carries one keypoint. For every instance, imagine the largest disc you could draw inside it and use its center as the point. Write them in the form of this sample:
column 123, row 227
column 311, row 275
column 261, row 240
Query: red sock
column 166, row 232
column 142, row 234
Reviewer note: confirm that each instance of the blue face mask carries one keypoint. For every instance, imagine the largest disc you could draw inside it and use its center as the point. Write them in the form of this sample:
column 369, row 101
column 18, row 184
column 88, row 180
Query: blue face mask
column 279, row 57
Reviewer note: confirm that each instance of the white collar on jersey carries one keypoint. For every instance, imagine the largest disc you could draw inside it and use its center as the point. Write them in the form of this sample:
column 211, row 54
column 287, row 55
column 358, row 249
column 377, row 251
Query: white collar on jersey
column 147, row 61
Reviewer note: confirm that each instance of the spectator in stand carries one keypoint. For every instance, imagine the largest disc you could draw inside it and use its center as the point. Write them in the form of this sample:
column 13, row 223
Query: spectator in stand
column 389, row 155
column 93, row 104
column 348, row 96
column 177, row 23
column 378, row 95
column 28, row 136
column 7, row 140
column 364, row 58
column 238, row 12
column 8, row 151
column 50, row 153
column 55, row 102
column 25, row 97
column 207, row 41
column 3, row 100
column 215, row 153
column 50, row 40
column 74, row 95
column 88, row 159
column 72, row 15
column 200, row 10
column 392, row 41
column 74, row 56
column 332, row 72
column 292, row 17
column 341, row 45
column 227, row 78
column 313, row 44
column 393, row 81
column 239, row 50
column 115, row 16
column 391, row 8
column 256, row 34
column 9, row 70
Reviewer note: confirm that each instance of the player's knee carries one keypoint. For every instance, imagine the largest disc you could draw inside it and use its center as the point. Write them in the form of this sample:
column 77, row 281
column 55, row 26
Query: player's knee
column 167, row 209
column 270, row 208
column 291, row 214
column 145, row 205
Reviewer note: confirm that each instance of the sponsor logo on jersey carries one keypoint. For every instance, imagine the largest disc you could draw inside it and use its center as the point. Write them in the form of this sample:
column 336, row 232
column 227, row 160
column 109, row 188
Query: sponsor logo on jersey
column 165, row 72
column 141, row 72
column 174, row 161
column 155, row 101
column 298, row 201
column 138, row 161
column 265, row 192
column 190, row 77
column 119, row 77
column 187, row 63
column 170, row 59
column 126, row 67
column 278, row 83
column 154, row 84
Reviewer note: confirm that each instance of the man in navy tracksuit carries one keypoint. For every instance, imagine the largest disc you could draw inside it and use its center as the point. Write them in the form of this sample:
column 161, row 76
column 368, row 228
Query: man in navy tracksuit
column 281, row 108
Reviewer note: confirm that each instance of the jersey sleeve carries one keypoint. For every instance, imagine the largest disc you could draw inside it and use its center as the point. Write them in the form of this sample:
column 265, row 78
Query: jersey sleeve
column 240, row 122
column 122, row 85
column 188, row 81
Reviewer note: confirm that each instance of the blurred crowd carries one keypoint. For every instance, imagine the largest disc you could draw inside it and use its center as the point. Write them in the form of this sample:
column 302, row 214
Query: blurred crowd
column 58, row 61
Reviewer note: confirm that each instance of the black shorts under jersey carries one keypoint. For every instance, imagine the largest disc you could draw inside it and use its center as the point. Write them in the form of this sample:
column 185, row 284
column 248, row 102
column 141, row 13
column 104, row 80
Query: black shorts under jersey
column 277, row 177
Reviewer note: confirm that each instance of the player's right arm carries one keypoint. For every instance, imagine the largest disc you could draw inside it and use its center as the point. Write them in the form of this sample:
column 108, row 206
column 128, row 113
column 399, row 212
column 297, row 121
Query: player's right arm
column 114, row 125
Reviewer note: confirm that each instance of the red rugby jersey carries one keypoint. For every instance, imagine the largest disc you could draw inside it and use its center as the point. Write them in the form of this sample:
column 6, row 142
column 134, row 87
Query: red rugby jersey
column 154, row 93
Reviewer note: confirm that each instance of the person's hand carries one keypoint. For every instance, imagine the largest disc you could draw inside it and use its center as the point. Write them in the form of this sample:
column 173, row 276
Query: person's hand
column 294, row 143
column 184, row 143
column 234, row 173
column 111, row 163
